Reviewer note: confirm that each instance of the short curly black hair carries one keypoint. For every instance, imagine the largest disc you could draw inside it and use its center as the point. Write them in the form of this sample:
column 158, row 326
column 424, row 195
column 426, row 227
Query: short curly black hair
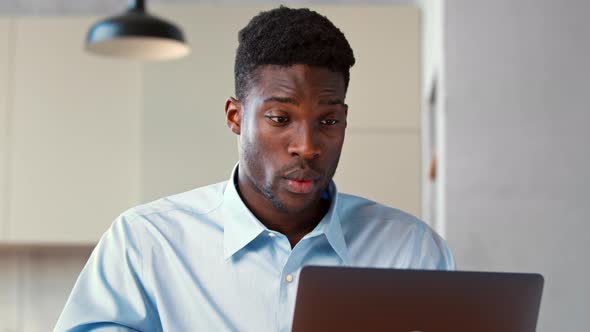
column 285, row 36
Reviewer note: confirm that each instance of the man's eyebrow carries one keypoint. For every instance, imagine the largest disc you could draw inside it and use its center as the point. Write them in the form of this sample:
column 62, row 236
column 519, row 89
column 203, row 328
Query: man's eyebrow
column 332, row 102
column 281, row 100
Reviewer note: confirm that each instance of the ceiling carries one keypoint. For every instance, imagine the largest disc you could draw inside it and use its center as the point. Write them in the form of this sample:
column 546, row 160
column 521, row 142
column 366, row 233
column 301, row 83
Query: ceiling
column 91, row 7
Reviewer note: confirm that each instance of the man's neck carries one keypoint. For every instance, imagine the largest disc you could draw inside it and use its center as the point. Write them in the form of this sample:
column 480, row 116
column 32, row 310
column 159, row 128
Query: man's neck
column 293, row 225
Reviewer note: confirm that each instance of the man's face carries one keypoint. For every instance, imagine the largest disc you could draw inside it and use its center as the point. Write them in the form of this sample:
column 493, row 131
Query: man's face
column 291, row 134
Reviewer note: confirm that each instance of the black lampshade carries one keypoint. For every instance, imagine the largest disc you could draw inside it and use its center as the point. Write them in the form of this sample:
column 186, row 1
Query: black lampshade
column 137, row 35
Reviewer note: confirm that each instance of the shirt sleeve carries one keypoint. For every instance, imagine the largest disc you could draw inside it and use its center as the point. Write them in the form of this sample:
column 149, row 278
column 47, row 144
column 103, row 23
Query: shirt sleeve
column 430, row 251
column 447, row 261
column 109, row 294
column 439, row 253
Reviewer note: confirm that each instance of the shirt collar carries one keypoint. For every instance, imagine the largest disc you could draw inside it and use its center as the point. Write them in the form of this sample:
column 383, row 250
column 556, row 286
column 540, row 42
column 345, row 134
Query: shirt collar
column 242, row 227
column 331, row 227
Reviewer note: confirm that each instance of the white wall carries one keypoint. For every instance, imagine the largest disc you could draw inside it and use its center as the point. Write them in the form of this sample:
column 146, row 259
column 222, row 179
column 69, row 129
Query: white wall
column 517, row 162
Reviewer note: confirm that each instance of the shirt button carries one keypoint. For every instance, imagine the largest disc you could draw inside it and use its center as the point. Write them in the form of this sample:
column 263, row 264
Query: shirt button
column 271, row 234
column 289, row 278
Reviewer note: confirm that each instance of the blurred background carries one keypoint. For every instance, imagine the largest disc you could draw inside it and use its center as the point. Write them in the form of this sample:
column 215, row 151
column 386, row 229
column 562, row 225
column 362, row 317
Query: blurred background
column 470, row 114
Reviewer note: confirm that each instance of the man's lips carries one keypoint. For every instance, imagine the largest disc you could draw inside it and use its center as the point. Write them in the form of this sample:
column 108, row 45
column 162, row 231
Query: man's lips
column 302, row 180
column 300, row 186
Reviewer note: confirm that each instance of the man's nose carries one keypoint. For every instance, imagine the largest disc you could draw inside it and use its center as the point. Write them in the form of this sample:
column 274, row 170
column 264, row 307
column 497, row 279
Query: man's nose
column 305, row 142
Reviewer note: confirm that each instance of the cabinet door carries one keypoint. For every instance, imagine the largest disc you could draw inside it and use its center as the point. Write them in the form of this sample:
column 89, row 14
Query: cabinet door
column 186, row 142
column 381, row 156
column 74, row 135
column 383, row 166
column 6, row 56
column 384, row 91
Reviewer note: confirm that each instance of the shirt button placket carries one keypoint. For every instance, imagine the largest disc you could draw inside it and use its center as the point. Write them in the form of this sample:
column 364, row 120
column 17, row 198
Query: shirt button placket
column 286, row 284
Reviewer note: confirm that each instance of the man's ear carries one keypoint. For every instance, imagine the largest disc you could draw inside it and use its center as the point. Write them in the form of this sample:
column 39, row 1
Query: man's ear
column 346, row 114
column 233, row 114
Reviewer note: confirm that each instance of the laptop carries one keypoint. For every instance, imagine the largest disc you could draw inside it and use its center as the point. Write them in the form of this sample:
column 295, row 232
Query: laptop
column 369, row 299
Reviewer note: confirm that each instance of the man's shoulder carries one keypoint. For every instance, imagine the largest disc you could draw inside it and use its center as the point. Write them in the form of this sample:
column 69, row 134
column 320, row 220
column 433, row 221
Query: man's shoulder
column 407, row 240
column 197, row 201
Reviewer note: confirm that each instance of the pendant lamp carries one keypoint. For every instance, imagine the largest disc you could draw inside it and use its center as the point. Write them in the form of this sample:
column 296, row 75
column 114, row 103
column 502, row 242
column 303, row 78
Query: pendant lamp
column 137, row 35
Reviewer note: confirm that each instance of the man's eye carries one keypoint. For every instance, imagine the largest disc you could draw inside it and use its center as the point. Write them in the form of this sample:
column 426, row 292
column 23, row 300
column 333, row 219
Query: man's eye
column 278, row 118
column 329, row 122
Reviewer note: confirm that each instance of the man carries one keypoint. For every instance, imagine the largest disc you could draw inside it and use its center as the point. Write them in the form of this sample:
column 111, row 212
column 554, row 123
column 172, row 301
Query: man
column 227, row 257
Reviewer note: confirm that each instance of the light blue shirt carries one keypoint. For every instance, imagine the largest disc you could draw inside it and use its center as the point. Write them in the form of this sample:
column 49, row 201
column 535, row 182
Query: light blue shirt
column 201, row 261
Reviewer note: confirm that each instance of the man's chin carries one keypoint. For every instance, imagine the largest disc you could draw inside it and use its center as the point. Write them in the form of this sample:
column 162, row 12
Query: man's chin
column 297, row 203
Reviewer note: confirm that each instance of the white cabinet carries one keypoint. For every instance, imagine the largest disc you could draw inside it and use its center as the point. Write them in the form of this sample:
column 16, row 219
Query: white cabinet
column 74, row 135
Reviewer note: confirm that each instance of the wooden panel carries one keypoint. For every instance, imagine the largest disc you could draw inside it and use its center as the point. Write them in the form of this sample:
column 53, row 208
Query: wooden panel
column 48, row 281
column 75, row 135
column 383, row 166
column 10, row 285
column 6, row 56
